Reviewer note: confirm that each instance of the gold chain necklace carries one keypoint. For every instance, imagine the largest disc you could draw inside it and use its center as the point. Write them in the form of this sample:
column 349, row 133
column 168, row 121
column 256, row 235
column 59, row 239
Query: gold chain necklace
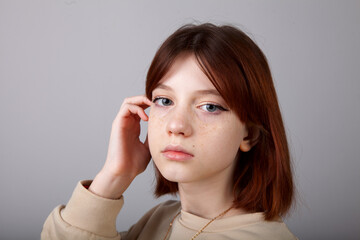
column 202, row 229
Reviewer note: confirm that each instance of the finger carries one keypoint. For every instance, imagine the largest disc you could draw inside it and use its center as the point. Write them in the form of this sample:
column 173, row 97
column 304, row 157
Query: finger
column 141, row 100
column 128, row 110
column 136, row 110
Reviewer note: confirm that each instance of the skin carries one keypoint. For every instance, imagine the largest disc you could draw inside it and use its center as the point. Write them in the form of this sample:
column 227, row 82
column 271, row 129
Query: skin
column 186, row 112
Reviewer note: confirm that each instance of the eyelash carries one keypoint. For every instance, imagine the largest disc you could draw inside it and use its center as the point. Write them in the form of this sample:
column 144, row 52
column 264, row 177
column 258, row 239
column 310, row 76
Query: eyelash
column 160, row 98
column 218, row 107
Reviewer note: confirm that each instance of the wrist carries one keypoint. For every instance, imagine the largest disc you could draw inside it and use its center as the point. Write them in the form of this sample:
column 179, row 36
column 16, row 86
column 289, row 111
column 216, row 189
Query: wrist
column 109, row 186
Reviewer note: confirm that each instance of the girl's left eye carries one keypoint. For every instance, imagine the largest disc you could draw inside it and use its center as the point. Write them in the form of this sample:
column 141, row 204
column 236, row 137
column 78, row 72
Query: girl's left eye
column 212, row 108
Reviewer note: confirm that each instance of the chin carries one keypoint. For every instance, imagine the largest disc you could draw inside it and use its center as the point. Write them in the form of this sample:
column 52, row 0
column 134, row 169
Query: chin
column 173, row 171
column 170, row 177
column 173, row 175
column 178, row 177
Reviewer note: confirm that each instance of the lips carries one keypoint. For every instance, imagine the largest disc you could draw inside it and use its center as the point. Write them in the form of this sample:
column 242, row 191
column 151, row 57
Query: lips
column 176, row 153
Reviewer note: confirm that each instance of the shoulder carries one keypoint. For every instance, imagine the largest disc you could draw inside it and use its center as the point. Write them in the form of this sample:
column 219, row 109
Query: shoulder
column 167, row 208
column 153, row 222
column 162, row 210
column 170, row 204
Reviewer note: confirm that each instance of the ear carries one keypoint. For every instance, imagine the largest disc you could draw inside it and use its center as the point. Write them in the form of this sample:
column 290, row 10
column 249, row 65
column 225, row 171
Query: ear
column 251, row 139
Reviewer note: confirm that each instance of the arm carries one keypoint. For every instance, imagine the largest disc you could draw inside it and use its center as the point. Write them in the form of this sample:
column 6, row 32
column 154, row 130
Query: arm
column 86, row 216
column 127, row 156
column 83, row 217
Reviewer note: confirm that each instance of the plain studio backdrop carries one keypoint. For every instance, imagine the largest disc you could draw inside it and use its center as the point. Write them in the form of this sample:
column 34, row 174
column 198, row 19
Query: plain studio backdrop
column 66, row 66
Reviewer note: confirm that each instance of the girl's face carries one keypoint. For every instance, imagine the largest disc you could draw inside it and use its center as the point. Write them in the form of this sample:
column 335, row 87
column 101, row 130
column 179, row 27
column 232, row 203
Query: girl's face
column 193, row 135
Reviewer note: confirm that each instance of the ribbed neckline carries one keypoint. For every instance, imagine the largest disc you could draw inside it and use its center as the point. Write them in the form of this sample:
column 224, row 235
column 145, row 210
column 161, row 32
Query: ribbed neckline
column 195, row 223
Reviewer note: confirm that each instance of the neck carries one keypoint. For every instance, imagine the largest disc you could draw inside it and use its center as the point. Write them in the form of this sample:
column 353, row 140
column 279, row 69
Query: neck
column 208, row 198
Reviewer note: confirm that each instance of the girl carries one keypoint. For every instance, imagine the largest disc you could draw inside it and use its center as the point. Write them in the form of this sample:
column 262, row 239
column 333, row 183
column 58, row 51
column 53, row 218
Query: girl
column 217, row 139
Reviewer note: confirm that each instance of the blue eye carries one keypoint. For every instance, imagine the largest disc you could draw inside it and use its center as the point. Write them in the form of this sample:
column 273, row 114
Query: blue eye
column 212, row 108
column 162, row 101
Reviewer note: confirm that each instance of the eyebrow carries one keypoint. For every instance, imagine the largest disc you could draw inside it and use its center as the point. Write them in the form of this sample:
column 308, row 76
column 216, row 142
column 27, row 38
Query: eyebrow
column 200, row 92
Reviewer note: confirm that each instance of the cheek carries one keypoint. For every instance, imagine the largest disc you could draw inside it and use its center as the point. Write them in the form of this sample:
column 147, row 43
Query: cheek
column 224, row 137
column 208, row 134
column 155, row 124
column 156, row 120
column 207, row 118
column 208, row 127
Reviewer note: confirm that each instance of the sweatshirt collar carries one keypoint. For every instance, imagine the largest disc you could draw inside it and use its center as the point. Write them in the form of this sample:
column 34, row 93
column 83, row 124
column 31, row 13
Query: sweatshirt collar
column 195, row 223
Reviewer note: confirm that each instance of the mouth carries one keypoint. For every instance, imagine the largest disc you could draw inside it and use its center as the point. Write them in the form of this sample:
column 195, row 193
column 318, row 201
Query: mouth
column 176, row 153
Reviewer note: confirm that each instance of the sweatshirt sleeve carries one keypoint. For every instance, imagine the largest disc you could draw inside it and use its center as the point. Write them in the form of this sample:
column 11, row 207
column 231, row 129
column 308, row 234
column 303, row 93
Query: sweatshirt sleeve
column 86, row 216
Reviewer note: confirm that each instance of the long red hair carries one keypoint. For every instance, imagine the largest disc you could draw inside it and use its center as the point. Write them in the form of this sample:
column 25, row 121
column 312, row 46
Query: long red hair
column 239, row 71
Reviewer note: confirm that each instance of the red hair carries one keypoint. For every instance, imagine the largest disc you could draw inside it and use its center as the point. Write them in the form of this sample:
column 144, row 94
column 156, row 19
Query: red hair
column 239, row 71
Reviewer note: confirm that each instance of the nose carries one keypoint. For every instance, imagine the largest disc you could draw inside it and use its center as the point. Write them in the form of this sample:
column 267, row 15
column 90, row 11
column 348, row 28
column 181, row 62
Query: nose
column 179, row 124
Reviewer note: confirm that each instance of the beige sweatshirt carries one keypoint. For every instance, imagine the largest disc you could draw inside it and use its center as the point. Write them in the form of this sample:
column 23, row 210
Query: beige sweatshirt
column 88, row 216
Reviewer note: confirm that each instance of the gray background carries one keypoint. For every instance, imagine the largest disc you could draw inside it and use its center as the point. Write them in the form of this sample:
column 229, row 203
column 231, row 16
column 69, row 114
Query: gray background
column 66, row 66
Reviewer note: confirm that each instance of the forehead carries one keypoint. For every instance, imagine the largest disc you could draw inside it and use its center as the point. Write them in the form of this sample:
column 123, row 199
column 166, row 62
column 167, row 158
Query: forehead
column 186, row 74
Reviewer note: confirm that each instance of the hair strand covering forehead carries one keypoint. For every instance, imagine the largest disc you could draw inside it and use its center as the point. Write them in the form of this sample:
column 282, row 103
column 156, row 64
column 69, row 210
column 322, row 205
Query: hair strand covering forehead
column 238, row 69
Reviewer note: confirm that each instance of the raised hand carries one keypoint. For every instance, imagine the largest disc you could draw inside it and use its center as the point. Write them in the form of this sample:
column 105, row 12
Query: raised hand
column 127, row 155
